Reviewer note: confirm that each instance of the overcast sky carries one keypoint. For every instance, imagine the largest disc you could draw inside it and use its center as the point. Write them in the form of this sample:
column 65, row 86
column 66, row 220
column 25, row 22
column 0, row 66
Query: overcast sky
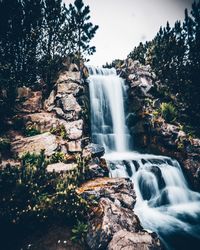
column 125, row 23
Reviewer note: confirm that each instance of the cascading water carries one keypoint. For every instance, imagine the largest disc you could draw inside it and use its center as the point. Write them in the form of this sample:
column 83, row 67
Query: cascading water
column 165, row 204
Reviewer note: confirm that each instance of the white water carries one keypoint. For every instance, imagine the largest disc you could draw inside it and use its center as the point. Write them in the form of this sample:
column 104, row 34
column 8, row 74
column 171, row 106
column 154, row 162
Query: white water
column 165, row 204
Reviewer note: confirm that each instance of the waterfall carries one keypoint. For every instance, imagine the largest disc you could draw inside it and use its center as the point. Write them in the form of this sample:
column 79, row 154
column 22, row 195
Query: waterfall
column 108, row 116
column 165, row 204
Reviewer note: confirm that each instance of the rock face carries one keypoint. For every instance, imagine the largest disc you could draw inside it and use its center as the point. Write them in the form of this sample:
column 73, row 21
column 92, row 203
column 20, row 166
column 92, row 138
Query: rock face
column 111, row 218
column 124, row 240
column 62, row 114
column 35, row 144
column 70, row 105
column 150, row 131
column 114, row 212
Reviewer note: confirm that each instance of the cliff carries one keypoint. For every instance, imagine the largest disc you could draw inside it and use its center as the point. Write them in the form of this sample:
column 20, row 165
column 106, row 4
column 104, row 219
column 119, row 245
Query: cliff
column 152, row 121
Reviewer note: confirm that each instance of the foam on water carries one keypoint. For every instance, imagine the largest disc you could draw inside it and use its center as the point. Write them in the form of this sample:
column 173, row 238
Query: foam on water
column 165, row 204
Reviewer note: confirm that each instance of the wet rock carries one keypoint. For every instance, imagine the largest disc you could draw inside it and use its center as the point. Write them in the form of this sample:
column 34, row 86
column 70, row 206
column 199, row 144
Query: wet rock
column 35, row 144
column 61, row 167
column 131, row 120
column 109, row 219
column 119, row 190
column 192, row 169
column 97, row 168
column 94, row 150
column 134, row 241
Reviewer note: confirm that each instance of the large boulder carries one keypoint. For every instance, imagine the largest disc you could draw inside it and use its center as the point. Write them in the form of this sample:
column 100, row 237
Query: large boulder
column 118, row 190
column 67, row 76
column 94, row 150
column 69, row 116
column 109, row 219
column 69, row 88
column 35, row 144
column 70, row 105
column 112, row 202
column 124, row 240
column 74, row 129
column 45, row 121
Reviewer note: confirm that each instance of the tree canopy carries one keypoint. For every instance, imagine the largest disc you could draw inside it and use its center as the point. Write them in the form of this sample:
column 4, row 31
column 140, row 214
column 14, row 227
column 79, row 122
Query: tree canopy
column 34, row 34
column 174, row 55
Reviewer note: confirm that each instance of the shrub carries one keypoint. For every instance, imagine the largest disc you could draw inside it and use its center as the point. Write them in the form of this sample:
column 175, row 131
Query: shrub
column 57, row 157
column 60, row 131
column 168, row 111
column 29, row 194
column 4, row 145
column 31, row 130
column 79, row 232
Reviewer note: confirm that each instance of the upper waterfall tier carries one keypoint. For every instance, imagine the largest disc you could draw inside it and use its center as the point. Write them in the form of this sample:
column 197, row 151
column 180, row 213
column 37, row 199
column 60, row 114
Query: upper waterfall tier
column 107, row 91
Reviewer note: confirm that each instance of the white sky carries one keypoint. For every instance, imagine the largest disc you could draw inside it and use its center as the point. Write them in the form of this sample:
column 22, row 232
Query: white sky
column 125, row 23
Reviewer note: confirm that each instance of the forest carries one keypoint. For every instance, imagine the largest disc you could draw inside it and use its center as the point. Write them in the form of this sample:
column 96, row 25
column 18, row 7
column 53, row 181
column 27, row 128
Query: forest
column 35, row 36
column 97, row 158
column 174, row 55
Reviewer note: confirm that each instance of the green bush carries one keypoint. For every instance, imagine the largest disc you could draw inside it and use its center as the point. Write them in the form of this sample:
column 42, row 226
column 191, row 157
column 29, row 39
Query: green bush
column 168, row 112
column 57, row 157
column 31, row 130
column 4, row 145
column 29, row 194
column 59, row 131
column 79, row 232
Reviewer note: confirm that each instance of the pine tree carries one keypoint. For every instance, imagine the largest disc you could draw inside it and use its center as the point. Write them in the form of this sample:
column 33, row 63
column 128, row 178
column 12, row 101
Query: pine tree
column 83, row 30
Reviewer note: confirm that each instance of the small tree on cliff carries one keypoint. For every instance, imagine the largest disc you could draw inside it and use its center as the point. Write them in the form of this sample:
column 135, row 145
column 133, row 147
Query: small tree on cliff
column 83, row 30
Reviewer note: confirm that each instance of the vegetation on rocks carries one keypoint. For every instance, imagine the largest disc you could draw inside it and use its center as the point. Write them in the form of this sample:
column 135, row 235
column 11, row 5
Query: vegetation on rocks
column 30, row 195
column 37, row 38
column 60, row 131
column 174, row 55
column 168, row 112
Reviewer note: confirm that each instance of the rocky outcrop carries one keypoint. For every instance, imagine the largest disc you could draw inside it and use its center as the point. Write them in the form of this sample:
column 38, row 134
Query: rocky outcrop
column 112, row 202
column 150, row 132
column 124, row 240
column 62, row 113
column 35, row 144
column 94, row 150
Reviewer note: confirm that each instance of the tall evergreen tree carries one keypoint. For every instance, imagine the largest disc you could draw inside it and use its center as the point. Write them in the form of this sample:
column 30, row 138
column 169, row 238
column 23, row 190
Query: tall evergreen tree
column 83, row 30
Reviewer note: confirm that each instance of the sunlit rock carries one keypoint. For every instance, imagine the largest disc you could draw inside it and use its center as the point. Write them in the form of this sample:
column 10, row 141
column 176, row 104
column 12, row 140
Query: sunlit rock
column 35, row 144
column 60, row 166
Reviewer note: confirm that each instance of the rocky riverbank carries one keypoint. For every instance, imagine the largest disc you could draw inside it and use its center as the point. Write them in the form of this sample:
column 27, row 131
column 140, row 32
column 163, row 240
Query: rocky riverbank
column 148, row 126
column 59, row 125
